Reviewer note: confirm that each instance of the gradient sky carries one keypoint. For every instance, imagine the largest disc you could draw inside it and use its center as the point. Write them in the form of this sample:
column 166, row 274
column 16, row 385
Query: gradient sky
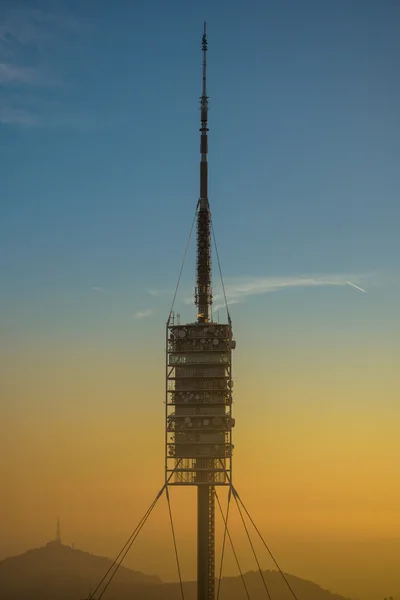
column 99, row 153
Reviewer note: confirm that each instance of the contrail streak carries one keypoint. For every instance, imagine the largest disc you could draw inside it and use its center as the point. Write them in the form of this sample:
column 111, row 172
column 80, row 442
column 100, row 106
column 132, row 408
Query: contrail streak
column 356, row 286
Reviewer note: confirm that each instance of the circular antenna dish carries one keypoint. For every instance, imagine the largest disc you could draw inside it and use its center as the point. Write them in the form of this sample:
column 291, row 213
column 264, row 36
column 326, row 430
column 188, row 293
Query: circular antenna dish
column 182, row 333
column 215, row 342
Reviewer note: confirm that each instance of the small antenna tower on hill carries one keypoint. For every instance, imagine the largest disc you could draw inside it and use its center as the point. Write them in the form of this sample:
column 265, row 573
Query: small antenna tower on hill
column 58, row 532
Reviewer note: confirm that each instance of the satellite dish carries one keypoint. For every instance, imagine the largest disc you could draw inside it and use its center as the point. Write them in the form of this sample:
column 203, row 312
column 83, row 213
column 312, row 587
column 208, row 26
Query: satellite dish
column 215, row 342
column 182, row 333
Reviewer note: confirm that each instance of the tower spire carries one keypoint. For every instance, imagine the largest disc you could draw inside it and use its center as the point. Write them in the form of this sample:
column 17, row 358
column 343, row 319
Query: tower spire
column 203, row 296
column 204, row 124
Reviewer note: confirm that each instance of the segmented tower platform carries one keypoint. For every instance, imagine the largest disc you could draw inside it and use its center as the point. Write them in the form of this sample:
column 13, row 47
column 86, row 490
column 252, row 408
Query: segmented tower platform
column 199, row 387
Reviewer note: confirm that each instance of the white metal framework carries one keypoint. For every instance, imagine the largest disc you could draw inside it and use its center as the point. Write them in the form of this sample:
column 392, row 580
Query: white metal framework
column 199, row 404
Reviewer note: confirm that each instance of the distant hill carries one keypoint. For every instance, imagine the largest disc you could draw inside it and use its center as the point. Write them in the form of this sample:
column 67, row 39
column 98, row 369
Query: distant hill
column 58, row 572
column 64, row 571
column 367, row 568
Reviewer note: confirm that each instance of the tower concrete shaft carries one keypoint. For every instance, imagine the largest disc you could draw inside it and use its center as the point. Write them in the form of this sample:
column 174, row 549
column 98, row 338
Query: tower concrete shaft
column 205, row 542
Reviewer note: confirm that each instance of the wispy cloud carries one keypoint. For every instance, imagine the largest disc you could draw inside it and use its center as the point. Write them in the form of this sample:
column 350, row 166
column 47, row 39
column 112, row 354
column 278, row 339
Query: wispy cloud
column 240, row 289
column 31, row 26
column 29, row 44
column 99, row 289
column 10, row 74
column 143, row 314
column 17, row 116
column 158, row 292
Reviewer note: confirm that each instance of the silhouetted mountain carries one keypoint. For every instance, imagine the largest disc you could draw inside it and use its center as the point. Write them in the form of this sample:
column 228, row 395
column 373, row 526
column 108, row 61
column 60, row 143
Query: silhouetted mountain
column 58, row 572
column 232, row 587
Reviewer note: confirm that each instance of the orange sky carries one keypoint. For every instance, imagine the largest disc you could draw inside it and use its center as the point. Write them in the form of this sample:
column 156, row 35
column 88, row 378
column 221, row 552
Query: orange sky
column 316, row 452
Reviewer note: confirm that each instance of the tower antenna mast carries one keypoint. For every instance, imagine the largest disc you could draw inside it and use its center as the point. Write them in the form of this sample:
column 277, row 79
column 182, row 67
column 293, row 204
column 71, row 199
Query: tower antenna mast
column 203, row 296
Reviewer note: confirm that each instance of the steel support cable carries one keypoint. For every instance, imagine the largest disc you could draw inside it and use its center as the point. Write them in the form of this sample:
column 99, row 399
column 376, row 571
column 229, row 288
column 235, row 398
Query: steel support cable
column 263, row 541
column 127, row 546
column 220, row 273
column 140, row 524
column 183, row 262
column 252, row 547
column 175, row 546
column 117, row 566
column 224, row 541
column 233, row 548
column 127, row 542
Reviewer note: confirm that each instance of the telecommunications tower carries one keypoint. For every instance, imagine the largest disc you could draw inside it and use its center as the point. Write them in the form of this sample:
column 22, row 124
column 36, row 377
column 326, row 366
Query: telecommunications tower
column 198, row 407
column 198, row 441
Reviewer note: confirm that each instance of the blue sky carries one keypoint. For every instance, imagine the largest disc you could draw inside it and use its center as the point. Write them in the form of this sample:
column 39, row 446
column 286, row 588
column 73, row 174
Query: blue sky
column 100, row 150
column 99, row 179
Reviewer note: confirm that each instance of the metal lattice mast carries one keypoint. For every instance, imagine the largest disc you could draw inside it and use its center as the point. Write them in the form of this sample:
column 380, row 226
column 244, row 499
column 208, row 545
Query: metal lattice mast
column 203, row 296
